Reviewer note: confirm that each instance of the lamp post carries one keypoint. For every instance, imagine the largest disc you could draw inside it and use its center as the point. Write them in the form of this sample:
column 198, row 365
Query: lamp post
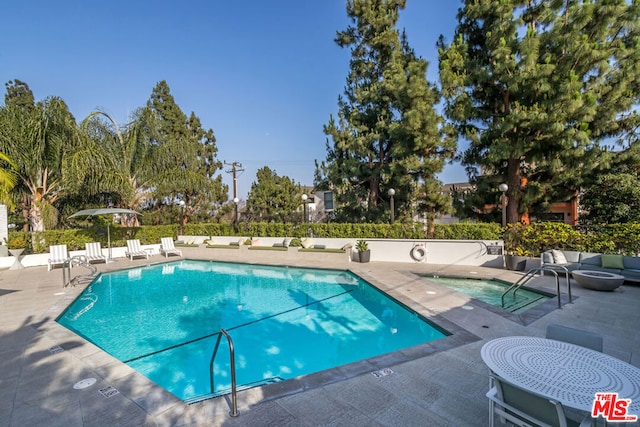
column 304, row 204
column 182, row 203
column 504, row 187
column 392, row 193
column 235, row 213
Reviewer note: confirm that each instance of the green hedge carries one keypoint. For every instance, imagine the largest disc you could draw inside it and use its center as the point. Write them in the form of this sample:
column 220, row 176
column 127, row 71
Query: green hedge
column 75, row 239
column 534, row 239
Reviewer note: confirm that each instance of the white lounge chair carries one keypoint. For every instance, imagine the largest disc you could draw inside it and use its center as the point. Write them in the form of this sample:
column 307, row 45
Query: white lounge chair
column 94, row 252
column 58, row 255
column 134, row 250
column 167, row 247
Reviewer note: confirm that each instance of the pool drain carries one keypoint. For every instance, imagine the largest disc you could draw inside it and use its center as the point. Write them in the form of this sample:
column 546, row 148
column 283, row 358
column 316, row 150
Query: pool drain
column 382, row 372
column 87, row 382
column 55, row 349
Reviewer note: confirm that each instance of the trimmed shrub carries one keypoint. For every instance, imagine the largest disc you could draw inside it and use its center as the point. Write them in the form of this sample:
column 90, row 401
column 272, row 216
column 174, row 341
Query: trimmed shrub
column 534, row 239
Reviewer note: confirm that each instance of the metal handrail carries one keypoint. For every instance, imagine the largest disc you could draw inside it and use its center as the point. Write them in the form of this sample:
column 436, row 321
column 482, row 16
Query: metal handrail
column 234, row 390
column 80, row 260
column 529, row 275
column 552, row 267
column 517, row 285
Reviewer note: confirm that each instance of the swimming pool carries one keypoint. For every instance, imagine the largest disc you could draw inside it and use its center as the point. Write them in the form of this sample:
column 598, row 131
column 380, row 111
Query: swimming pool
column 163, row 320
column 490, row 291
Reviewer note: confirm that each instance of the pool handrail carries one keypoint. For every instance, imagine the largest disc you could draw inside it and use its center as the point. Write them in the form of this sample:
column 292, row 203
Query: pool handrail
column 234, row 390
column 529, row 275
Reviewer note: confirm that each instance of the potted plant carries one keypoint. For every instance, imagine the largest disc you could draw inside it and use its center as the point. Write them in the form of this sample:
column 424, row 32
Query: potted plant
column 516, row 251
column 16, row 246
column 17, row 243
column 517, row 259
column 364, row 253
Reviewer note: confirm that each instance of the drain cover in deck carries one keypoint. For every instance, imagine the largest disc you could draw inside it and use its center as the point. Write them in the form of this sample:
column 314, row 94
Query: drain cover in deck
column 87, row 382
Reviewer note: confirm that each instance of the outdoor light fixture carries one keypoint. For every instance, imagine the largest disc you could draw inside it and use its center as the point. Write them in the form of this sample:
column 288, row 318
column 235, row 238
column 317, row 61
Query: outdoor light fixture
column 504, row 187
column 391, row 193
column 304, row 202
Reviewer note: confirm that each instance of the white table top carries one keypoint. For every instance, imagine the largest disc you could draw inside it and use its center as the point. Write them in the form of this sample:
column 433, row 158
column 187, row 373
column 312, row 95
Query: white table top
column 565, row 372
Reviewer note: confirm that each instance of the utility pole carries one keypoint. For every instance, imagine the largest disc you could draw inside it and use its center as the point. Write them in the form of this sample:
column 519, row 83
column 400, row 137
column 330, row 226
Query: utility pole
column 235, row 168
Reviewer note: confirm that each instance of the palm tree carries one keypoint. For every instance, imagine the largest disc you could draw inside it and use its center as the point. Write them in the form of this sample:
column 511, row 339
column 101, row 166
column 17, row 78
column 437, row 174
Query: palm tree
column 109, row 160
column 8, row 179
column 34, row 138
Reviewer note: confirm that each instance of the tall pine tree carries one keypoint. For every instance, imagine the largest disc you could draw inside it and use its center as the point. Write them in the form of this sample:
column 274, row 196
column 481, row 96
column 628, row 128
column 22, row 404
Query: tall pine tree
column 387, row 134
column 537, row 87
column 187, row 152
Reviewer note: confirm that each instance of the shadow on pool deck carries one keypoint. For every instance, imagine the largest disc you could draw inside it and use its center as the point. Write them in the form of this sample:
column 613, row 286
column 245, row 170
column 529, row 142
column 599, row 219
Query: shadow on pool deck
column 440, row 383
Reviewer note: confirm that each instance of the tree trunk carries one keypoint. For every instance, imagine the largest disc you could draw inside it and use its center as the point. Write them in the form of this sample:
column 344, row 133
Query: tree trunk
column 373, row 191
column 36, row 222
column 514, row 194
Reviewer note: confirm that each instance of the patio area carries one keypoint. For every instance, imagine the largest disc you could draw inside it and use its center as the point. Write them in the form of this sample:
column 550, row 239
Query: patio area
column 40, row 361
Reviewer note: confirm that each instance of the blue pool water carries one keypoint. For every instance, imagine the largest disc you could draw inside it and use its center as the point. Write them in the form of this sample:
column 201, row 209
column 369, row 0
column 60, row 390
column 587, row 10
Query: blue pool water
column 164, row 320
column 490, row 291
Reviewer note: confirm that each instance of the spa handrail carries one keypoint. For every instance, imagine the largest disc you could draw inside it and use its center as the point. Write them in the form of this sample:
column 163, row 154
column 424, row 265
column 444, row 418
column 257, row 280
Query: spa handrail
column 234, row 400
column 529, row 275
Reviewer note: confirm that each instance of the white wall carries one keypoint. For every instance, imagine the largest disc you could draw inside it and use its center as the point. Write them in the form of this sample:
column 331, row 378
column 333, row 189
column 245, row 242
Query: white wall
column 457, row 252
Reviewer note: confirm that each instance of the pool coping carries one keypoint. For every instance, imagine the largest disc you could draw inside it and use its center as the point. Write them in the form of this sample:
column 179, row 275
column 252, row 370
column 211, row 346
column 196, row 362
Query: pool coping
column 455, row 336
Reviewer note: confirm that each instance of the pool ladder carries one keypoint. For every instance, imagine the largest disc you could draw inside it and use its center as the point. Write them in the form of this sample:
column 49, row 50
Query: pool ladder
column 234, row 389
column 79, row 260
column 531, row 273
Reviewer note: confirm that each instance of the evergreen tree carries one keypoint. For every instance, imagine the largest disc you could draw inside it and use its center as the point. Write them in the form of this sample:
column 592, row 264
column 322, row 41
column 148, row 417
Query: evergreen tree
column 19, row 94
column 273, row 197
column 537, row 87
column 388, row 134
column 613, row 196
column 613, row 199
column 187, row 161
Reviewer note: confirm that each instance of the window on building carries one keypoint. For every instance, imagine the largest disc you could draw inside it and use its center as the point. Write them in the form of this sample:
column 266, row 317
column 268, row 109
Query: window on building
column 328, row 201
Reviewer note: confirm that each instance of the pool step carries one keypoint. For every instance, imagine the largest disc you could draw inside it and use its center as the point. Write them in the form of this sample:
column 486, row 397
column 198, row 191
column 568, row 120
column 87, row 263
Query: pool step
column 522, row 304
column 222, row 392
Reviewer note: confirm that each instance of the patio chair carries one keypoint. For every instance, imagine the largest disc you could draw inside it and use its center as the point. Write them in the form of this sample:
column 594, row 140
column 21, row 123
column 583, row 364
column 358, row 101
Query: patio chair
column 134, row 250
column 575, row 336
column 525, row 408
column 167, row 247
column 58, row 255
column 93, row 252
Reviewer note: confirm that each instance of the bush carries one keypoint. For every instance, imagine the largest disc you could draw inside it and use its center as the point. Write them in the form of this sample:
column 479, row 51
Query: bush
column 533, row 239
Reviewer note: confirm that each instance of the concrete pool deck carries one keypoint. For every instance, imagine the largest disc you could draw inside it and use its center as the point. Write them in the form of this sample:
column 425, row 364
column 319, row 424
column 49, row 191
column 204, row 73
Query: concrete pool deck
column 443, row 385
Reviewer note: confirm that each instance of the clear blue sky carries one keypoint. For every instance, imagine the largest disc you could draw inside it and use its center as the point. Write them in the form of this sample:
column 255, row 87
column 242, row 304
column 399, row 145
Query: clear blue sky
column 263, row 74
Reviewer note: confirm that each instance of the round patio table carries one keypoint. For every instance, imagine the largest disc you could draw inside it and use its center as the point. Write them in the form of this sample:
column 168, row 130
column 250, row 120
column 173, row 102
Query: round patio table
column 597, row 280
column 568, row 373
